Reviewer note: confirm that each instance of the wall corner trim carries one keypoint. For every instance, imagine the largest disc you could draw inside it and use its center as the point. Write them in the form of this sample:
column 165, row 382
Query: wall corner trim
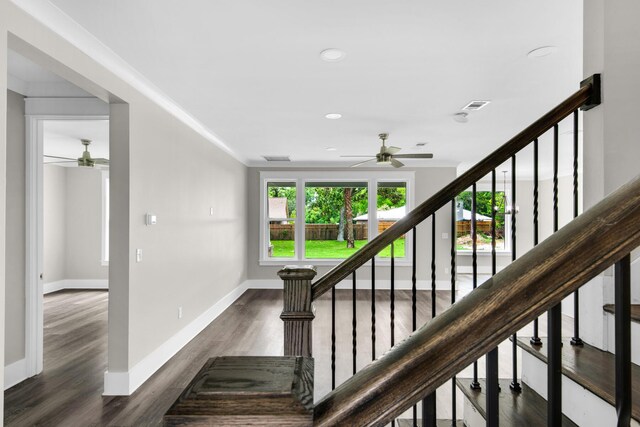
column 15, row 373
column 125, row 383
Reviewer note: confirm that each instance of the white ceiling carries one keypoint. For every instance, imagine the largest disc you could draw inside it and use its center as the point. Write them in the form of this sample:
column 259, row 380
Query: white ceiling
column 249, row 70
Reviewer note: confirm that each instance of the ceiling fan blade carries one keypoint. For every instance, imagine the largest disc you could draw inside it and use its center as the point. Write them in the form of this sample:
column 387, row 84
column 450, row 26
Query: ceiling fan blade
column 101, row 161
column 393, row 150
column 362, row 163
column 61, row 161
column 396, row 164
column 57, row 157
column 414, row 156
column 357, row 156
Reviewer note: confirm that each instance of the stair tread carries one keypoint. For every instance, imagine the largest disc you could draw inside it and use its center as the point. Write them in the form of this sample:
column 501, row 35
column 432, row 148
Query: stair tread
column 405, row 422
column 590, row 367
column 526, row 408
column 635, row 311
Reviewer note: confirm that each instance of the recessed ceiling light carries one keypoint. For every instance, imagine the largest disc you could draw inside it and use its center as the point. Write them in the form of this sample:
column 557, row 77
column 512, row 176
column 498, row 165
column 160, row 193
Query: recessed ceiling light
column 332, row 55
column 542, row 51
column 331, row 149
column 333, row 116
column 460, row 117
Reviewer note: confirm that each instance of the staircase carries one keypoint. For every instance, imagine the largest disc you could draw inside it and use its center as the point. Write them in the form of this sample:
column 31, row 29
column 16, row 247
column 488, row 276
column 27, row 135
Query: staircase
column 561, row 381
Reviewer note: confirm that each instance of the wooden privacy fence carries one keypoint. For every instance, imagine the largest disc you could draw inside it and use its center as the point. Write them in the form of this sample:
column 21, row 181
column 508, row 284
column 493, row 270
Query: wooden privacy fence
column 464, row 227
column 315, row 231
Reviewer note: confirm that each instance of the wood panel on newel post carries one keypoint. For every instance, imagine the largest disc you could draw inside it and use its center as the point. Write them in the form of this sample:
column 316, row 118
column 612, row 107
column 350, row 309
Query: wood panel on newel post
column 298, row 312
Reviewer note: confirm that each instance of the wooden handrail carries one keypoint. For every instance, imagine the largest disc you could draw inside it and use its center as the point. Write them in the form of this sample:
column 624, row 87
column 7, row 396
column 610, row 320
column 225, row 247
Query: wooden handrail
column 583, row 96
column 525, row 289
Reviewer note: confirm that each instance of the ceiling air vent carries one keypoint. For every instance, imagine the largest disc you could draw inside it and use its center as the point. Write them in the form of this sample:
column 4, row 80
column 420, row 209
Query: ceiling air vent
column 475, row 105
column 277, row 158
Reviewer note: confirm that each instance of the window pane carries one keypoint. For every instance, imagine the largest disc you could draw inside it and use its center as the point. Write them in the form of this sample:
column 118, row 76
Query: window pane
column 335, row 219
column 391, row 206
column 464, row 242
column 281, row 212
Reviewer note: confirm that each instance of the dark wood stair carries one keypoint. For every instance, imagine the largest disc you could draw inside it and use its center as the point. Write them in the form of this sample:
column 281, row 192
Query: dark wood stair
column 526, row 408
column 590, row 367
column 635, row 311
column 247, row 390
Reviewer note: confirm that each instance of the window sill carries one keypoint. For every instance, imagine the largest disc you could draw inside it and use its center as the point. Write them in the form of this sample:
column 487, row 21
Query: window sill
column 384, row 262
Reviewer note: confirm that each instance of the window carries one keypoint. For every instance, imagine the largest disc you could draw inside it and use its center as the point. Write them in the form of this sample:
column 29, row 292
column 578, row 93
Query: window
column 341, row 213
column 464, row 241
column 281, row 212
column 336, row 219
column 390, row 207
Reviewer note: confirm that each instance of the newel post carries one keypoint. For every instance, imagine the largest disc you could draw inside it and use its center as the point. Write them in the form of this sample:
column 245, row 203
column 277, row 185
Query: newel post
column 298, row 310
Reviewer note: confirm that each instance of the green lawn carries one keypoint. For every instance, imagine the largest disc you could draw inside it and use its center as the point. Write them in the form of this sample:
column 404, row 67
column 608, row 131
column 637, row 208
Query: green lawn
column 319, row 249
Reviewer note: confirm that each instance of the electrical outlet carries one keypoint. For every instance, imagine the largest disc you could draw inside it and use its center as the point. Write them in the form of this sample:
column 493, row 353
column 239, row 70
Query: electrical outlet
column 179, row 312
column 138, row 255
column 446, row 271
column 445, row 236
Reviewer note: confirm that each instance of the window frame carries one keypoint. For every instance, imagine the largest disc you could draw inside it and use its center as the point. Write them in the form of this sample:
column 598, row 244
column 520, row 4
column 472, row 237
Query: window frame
column 300, row 179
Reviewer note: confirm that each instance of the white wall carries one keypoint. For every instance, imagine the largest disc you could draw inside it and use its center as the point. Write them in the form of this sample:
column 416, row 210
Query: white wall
column 83, row 216
column 3, row 180
column 190, row 258
column 72, row 224
column 427, row 182
column 54, row 238
column 611, row 148
column 15, row 258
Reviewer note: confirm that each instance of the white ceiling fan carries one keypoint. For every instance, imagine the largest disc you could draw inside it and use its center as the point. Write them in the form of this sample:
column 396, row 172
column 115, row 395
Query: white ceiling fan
column 388, row 156
column 86, row 160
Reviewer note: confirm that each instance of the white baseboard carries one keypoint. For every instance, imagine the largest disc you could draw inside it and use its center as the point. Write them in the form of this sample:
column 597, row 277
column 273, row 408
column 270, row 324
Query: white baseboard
column 360, row 284
column 15, row 373
column 125, row 383
column 75, row 284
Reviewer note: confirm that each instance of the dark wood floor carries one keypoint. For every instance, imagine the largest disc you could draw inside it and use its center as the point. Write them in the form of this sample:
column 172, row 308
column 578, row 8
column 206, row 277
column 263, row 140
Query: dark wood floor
column 68, row 392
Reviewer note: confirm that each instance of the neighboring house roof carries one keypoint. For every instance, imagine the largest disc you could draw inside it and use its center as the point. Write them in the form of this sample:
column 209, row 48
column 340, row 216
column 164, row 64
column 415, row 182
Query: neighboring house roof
column 465, row 215
column 385, row 215
column 278, row 207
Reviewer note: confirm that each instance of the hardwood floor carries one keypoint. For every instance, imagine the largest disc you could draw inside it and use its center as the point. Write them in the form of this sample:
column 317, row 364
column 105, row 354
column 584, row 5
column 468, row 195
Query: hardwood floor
column 68, row 392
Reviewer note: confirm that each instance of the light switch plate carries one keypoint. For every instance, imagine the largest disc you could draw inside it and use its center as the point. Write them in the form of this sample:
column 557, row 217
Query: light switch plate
column 138, row 255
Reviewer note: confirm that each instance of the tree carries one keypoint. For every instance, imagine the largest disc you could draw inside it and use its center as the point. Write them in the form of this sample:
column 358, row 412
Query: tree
column 349, row 218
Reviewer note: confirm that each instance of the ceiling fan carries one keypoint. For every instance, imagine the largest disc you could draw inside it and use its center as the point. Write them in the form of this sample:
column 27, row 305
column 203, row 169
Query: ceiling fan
column 388, row 156
column 86, row 160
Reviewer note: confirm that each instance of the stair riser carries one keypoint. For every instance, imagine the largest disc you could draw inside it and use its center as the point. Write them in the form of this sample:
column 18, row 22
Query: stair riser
column 472, row 418
column 583, row 407
column 611, row 340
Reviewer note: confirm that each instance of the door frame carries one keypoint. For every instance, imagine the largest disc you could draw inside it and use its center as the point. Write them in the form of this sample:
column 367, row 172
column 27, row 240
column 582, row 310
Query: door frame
column 34, row 299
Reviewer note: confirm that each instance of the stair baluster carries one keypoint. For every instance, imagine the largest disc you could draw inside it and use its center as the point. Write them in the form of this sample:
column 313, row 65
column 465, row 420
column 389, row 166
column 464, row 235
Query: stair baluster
column 623, row 340
column 515, row 385
column 575, row 340
column 535, row 340
column 373, row 308
column 429, row 402
column 554, row 320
